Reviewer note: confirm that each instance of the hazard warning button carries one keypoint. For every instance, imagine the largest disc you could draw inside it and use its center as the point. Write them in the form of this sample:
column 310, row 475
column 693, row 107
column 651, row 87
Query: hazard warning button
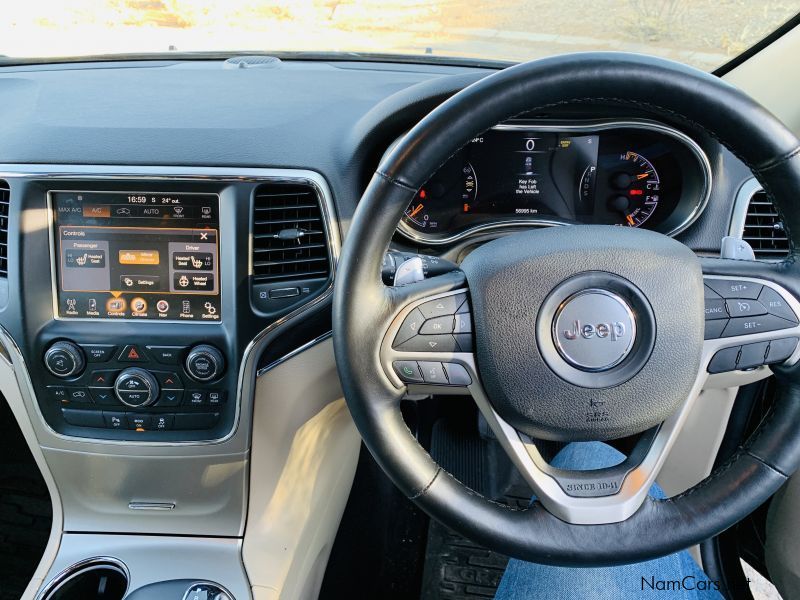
column 132, row 353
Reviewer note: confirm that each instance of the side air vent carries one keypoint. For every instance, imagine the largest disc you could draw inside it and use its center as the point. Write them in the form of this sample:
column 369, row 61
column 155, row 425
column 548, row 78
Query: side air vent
column 764, row 230
column 5, row 194
column 291, row 257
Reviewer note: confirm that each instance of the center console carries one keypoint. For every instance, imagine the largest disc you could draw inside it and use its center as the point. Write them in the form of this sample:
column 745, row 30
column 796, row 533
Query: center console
column 136, row 349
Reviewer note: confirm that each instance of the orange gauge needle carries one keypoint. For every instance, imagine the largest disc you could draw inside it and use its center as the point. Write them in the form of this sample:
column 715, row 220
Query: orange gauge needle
column 415, row 211
column 642, row 175
column 630, row 220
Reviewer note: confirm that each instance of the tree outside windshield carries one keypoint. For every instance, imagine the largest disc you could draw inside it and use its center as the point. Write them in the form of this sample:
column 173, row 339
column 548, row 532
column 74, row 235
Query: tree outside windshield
column 703, row 33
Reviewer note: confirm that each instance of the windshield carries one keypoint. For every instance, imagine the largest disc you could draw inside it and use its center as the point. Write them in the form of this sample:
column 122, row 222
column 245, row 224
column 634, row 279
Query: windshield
column 703, row 33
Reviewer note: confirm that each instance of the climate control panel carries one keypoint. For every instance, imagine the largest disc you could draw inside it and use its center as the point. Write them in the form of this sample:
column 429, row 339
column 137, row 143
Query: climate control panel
column 137, row 388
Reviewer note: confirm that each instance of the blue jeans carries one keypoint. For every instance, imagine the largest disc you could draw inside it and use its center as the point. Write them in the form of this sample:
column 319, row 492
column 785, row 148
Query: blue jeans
column 673, row 576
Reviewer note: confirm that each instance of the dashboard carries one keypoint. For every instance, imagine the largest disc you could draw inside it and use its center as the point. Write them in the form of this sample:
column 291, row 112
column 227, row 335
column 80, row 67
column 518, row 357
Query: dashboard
column 626, row 173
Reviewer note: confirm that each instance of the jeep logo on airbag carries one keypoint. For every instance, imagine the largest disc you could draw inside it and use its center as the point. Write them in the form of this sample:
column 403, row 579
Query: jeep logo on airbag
column 594, row 330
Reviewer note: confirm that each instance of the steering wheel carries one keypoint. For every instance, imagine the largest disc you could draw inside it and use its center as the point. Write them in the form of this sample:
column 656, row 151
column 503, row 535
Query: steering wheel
column 580, row 332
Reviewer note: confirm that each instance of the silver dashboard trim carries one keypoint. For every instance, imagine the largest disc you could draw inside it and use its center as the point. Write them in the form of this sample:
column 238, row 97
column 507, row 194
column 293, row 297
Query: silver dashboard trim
column 87, row 564
column 208, row 174
column 293, row 353
column 602, row 125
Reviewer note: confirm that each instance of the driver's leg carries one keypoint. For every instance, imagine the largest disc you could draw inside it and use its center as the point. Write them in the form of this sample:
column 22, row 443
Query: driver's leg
column 677, row 575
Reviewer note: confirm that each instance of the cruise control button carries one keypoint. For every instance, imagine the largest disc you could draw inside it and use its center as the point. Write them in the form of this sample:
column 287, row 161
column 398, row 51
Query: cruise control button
column 98, row 352
column 410, row 327
column 443, row 306
column 740, row 307
column 432, row 372
column 776, row 305
column 715, row 309
column 724, row 360
column 457, row 374
column 780, row 350
column 437, row 325
column 732, row 288
column 713, row 329
column 408, row 371
column 103, row 395
column 430, row 343
column 752, row 355
column 748, row 325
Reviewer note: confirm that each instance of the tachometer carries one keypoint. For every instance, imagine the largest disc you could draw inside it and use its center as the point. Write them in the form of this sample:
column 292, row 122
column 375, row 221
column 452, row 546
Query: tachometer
column 432, row 207
column 636, row 186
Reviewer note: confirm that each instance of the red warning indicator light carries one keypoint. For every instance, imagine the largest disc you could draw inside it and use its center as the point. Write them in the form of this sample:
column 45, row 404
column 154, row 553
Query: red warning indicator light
column 637, row 192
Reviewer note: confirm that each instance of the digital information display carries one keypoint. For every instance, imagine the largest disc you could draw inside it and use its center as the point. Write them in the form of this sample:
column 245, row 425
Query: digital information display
column 152, row 256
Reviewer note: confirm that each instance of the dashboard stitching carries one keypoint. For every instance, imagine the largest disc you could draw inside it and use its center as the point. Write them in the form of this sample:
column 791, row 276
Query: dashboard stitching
column 424, row 490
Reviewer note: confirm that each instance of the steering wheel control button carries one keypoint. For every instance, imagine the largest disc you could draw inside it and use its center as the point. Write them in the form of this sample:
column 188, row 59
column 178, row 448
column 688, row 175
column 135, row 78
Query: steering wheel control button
column 750, row 325
column 464, row 341
column 433, row 372
column 407, row 371
column 98, row 353
column 166, row 355
column 741, row 307
column 430, row 343
column 713, row 329
column 752, row 355
column 463, row 323
column 709, row 293
column 64, row 359
column 457, row 374
column 205, row 363
column 448, row 305
column 410, row 327
column 132, row 353
column 594, row 330
column 437, row 325
column 715, row 309
column 724, row 360
column 776, row 305
column 136, row 387
column 780, row 350
column 731, row 288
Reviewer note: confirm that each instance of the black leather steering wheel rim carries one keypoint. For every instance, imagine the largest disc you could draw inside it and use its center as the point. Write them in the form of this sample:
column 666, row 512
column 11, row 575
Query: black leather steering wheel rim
column 363, row 306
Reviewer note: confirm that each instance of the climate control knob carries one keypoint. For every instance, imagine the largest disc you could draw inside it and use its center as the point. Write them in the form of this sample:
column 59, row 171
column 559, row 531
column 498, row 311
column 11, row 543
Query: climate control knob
column 136, row 387
column 64, row 359
column 205, row 363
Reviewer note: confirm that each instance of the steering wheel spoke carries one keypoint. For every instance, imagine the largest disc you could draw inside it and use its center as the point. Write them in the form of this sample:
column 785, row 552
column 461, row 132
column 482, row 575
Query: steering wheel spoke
column 749, row 322
column 428, row 346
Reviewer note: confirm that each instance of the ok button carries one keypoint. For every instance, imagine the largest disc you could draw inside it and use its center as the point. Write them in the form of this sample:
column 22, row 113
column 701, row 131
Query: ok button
column 740, row 307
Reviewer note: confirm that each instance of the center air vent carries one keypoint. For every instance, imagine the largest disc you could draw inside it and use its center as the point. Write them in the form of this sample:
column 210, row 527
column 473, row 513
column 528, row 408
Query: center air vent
column 291, row 257
column 764, row 229
column 5, row 194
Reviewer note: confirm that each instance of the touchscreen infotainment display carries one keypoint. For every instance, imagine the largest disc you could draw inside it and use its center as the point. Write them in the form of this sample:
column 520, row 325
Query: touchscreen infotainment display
column 136, row 255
